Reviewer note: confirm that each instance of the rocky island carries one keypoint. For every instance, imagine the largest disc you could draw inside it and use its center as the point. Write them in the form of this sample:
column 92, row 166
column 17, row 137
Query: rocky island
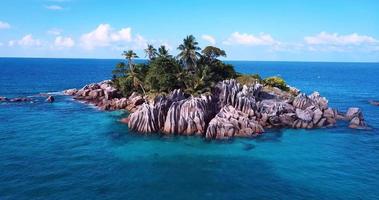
column 197, row 94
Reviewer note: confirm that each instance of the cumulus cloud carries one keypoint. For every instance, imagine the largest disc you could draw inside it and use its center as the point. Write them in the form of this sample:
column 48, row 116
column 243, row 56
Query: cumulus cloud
column 209, row 39
column 325, row 38
column 4, row 25
column 334, row 42
column 262, row 39
column 104, row 35
column 54, row 7
column 64, row 42
column 26, row 41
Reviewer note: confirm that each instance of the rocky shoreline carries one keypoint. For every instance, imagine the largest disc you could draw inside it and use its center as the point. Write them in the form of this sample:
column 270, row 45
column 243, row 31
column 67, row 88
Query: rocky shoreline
column 231, row 110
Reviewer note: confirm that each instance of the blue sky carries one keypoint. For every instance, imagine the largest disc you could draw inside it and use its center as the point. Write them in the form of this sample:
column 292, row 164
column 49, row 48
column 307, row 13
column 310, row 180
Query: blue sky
column 293, row 30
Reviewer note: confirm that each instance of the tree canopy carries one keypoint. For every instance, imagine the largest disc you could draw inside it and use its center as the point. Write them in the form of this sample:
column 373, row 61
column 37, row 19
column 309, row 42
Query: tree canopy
column 190, row 70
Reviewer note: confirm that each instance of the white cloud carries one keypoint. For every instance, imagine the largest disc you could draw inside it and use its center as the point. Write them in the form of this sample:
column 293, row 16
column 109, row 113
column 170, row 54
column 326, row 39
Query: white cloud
column 262, row 39
column 64, row 42
column 54, row 7
column 104, row 36
column 54, row 31
column 4, row 25
column 209, row 39
column 139, row 42
column 124, row 34
column 1, row 44
column 29, row 41
column 325, row 38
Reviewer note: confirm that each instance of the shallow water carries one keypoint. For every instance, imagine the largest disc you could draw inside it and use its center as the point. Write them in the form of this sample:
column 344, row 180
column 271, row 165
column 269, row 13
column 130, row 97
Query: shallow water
column 69, row 150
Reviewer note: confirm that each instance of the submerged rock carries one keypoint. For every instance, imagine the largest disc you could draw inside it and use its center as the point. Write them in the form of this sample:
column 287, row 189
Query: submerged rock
column 20, row 99
column 375, row 103
column 3, row 99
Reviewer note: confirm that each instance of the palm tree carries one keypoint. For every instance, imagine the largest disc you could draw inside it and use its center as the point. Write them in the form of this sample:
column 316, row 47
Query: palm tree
column 130, row 55
column 133, row 73
column 151, row 52
column 189, row 52
column 163, row 52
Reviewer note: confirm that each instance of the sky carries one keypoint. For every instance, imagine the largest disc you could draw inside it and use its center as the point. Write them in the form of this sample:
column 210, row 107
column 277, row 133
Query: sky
column 263, row 30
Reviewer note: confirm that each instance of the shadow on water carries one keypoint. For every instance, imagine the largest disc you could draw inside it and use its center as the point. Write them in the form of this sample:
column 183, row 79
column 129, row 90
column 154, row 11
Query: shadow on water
column 203, row 177
column 271, row 135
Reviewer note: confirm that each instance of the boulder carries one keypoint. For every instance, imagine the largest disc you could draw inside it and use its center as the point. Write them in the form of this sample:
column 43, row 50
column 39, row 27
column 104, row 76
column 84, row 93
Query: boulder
column 144, row 119
column 189, row 116
column 302, row 101
column 50, row 99
column 134, row 101
column 305, row 115
column 358, row 123
column 355, row 116
column 96, row 93
column 230, row 122
column 319, row 101
column 353, row 112
column 317, row 116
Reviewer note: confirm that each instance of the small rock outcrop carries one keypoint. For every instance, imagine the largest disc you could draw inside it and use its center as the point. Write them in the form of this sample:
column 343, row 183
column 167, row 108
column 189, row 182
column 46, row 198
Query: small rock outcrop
column 50, row 99
column 355, row 118
column 105, row 96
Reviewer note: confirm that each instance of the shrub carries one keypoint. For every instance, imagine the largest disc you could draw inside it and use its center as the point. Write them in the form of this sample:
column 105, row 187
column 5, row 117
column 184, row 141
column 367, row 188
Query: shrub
column 275, row 81
column 247, row 79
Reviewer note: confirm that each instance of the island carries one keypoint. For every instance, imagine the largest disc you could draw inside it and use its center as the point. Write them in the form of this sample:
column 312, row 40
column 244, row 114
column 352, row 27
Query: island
column 195, row 93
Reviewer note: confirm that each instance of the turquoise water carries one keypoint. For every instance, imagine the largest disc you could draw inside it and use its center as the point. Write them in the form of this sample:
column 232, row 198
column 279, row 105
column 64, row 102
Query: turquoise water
column 69, row 150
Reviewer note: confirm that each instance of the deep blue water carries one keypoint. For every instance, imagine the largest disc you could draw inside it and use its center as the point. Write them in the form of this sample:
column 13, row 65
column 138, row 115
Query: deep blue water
column 68, row 150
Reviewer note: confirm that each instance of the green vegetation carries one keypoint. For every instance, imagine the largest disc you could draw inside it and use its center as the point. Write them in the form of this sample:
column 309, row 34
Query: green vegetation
column 192, row 70
column 276, row 81
column 248, row 79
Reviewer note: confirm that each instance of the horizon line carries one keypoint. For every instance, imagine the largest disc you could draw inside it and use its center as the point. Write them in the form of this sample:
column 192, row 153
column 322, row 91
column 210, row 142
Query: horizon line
column 232, row 60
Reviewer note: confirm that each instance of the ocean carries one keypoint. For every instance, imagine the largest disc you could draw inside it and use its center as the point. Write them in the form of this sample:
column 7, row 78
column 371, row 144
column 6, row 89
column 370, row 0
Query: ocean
column 69, row 150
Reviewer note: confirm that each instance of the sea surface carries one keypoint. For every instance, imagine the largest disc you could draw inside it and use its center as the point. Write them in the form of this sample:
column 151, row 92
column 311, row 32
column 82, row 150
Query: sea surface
column 69, row 150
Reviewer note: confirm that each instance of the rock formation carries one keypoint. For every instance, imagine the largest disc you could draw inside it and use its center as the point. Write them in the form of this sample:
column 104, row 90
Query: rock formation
column 230, row 122
column 105, row 96
column 232, row 110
